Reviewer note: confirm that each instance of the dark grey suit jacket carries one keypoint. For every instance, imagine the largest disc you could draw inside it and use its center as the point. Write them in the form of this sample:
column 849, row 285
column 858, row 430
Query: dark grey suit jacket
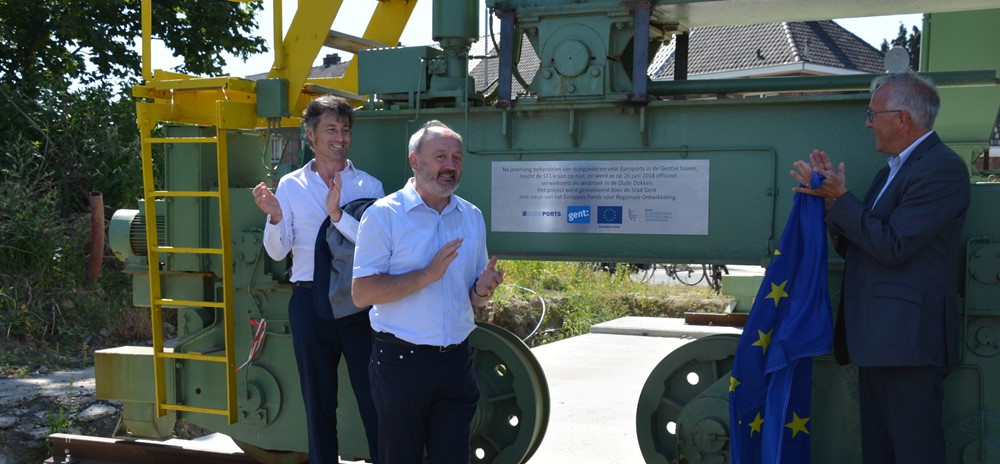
column 899, row 303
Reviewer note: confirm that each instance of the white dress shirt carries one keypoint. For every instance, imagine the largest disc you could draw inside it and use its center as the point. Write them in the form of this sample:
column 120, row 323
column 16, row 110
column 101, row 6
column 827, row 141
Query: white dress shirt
column 302, row 196
column 399, row 234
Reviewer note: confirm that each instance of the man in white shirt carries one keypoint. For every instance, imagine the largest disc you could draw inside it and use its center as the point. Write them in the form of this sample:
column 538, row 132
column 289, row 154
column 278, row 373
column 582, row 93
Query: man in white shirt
column 303, row 200
column 421, row 260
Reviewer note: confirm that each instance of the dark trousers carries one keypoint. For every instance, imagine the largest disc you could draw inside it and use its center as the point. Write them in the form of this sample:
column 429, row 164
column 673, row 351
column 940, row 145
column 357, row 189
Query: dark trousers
column 901, row 414
column 424, row 399
column 318, row 345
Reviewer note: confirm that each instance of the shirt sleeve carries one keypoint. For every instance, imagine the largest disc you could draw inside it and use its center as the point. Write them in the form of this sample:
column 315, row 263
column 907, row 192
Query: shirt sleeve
column 278, row 237
column 371, row 253
column 348, row 225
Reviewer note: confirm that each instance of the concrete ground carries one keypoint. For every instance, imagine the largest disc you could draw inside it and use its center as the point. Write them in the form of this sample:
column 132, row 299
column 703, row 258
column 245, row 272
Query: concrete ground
column 594, row 385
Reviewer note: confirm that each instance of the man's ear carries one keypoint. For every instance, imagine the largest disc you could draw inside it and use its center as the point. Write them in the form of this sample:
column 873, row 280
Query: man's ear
column 413, row 161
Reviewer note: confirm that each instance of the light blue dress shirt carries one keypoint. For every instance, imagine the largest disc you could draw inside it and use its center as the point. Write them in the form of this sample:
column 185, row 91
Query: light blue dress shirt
column 399, row 234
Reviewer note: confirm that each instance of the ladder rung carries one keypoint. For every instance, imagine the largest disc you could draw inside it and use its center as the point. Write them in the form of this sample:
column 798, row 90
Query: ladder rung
column 350, row 43
column 202, row 251
column 179, row 407
column 169, row 302
column 181, row 193
column 182, row 139
column 191, row 356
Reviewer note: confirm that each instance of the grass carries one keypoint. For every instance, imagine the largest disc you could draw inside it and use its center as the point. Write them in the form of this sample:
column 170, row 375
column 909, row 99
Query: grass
column 579, row 295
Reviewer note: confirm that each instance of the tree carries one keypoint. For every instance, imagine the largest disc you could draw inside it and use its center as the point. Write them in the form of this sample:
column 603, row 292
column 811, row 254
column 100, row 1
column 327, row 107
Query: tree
column 57, row 38
column 62, row 141
column 909, row 42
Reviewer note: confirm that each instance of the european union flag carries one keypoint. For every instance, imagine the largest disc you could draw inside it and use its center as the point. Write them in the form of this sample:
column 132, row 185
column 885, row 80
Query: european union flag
column 770, row 389
column 609, row 214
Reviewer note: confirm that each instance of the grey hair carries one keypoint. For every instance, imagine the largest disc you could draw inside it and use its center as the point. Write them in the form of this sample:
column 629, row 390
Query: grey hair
column 418, row 137
column 912, row 93
column 326, row 104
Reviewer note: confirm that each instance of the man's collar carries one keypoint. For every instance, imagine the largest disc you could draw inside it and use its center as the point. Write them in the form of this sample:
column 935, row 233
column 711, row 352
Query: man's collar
column 412, row 199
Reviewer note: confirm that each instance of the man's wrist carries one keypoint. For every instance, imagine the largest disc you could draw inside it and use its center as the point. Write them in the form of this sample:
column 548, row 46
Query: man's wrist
column 475, row 289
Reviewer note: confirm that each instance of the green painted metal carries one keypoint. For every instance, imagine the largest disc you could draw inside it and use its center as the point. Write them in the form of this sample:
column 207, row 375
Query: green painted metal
column 686, row 396
column 855, row 82
column 749, row 143
column 513, row 398
column 955, row 41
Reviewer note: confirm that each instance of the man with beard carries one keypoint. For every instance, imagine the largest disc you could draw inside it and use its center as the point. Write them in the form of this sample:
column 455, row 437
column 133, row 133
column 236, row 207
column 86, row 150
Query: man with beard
column 303, row 200
column 421, row 260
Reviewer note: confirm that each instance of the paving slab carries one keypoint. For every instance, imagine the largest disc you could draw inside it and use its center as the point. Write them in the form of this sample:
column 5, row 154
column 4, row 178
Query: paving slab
column 594, row 385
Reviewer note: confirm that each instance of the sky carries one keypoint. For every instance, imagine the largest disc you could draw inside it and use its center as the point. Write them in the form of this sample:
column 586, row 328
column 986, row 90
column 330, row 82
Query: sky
column 418, row 32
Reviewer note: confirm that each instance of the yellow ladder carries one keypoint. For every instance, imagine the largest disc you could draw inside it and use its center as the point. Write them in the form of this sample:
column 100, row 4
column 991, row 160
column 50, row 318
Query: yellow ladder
column 158, row 301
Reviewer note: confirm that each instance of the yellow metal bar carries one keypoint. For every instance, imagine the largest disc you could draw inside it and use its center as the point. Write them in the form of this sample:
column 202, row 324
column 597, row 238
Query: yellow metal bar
column 165, row 193
column 172, row 303
column 193, row 356
column 229, row 326
column 279, row 49
column 147, row 31
column 234, row 83
column 206, row 251
column 143, row 115
column 181, row 139
column 180, row 407
column 235, row 115
column 303, row 42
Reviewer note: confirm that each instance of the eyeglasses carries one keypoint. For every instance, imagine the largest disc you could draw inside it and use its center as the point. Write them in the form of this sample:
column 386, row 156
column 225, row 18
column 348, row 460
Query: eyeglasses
column 871, row 114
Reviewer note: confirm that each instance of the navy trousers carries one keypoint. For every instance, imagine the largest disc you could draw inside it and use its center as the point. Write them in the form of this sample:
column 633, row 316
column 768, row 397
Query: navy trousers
column 425, row 399
column 901, row 414
column 318, row 345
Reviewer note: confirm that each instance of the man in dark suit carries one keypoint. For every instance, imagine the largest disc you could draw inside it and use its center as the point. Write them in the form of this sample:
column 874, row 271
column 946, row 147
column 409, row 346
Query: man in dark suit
column 898, row 320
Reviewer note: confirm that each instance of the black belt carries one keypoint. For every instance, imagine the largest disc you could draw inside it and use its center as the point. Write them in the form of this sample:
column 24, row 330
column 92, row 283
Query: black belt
column 386, row 337
column 304, row 284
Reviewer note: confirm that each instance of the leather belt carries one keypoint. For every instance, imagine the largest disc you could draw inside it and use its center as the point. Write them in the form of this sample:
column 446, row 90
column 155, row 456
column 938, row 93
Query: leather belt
column 386, row 337
column 304, row 284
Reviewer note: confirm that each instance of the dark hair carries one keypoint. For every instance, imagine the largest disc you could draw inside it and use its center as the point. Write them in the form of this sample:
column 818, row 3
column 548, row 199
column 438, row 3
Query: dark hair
column 327, row 104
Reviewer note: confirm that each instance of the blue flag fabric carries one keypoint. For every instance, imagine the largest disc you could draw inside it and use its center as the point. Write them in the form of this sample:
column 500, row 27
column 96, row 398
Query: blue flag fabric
column 770, row 388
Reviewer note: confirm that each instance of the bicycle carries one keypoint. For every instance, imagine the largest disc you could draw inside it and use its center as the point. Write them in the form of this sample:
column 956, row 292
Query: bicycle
column 715, row 276
column 687, row 274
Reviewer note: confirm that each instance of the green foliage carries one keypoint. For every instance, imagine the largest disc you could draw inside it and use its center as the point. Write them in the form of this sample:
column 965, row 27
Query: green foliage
column 60, row 145
column 910, row 42
column 56, row 39
column 589, row 294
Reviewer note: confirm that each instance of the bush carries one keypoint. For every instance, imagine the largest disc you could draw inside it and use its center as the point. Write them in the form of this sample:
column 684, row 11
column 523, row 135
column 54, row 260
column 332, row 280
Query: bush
column 60, row 146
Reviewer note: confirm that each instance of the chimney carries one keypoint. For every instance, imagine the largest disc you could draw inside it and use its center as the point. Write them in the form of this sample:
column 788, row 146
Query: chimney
column 331, row 59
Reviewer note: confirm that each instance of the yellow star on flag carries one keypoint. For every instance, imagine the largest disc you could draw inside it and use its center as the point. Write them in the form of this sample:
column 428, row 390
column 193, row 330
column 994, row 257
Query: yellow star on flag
column 755, row 425
column 777, row 252
column 733, row 383
column 798, row 424
column 777, row 292
column 764, row 341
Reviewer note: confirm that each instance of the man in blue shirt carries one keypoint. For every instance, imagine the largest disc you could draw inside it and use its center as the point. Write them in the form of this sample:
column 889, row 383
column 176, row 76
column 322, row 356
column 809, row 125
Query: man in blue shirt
column 421, row 260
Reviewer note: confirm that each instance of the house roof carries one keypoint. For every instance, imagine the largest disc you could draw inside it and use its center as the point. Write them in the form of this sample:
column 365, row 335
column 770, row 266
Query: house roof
column 332, row 66
column 786, row 48
column 485, row 71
